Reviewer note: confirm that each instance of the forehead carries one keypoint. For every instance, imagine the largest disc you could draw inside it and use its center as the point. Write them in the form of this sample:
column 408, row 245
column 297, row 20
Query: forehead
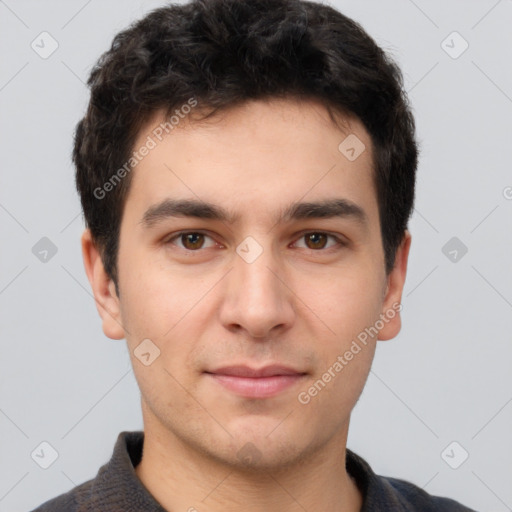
column 257, row 158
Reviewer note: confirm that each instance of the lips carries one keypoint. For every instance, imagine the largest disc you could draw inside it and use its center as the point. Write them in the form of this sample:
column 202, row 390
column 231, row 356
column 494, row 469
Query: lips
column 256, row 382
column 246, row 371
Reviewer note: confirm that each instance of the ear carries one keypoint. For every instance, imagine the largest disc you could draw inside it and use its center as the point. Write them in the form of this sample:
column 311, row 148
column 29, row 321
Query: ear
column 391, row 306
column 103, row 289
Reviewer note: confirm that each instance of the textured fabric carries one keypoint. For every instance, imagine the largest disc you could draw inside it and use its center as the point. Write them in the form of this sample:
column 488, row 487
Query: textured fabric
column 116, row 487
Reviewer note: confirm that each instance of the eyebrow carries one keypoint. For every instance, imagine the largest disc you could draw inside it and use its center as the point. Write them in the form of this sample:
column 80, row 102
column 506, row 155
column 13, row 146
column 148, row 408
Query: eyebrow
column 327, row 208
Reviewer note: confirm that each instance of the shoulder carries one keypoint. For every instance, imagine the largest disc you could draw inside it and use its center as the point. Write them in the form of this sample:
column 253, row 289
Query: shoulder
column 115, row 486
column 414, row 498
column 383, row 493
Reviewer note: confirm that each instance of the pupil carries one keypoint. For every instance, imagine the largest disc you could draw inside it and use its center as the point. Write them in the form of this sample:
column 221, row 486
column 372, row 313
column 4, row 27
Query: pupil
column 314, row 238
column 192, row 239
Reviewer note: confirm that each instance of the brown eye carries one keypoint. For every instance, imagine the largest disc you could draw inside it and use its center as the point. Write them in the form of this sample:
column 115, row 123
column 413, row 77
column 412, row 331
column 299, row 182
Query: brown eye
column 316, row 240
column 190, row 240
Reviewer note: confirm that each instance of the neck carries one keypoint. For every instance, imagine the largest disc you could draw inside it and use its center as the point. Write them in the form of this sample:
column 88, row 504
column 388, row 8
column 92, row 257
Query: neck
column 181, row 478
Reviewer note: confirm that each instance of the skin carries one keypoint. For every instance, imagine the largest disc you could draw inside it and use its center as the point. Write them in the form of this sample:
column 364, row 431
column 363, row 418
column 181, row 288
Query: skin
column 299, row 304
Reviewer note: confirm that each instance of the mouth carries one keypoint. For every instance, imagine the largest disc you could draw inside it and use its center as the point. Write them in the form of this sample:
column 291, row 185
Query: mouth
column 256, row 383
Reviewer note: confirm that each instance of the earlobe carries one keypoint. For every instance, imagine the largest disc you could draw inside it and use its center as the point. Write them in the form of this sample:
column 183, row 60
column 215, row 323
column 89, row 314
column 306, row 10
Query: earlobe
column 107, row 301
column 395, row 284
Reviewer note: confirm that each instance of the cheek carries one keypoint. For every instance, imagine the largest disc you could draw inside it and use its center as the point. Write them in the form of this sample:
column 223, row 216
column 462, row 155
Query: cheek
column 145, row 313
column 344, row 364
column 152, row 298
column 167, row 310
column 330, row 396
column 347, row 308
column 346, row 303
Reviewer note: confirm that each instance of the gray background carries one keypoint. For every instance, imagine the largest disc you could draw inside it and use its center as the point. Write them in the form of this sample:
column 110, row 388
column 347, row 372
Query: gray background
column 445, row 378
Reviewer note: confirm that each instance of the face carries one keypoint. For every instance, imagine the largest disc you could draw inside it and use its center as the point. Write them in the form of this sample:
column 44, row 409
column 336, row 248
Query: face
column 253, row 279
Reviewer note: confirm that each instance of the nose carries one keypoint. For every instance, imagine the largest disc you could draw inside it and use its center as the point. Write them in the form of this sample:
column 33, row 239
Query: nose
column 258, row 299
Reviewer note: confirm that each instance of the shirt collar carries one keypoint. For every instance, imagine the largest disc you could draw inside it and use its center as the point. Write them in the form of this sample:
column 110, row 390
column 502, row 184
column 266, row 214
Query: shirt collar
column 117, row 484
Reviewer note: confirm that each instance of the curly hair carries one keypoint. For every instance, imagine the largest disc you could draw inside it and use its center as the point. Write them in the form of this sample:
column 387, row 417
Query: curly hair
column 225, row 52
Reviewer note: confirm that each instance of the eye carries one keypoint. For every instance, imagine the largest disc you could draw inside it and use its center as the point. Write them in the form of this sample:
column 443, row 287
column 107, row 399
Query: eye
column 191, row 240
column 317, row 240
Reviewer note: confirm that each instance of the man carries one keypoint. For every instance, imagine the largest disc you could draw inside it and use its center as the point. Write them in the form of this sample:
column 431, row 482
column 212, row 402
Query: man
column 247, row 172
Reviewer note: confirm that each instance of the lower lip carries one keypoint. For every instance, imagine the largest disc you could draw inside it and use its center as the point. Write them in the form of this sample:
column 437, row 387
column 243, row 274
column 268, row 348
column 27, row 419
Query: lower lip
column 261, row 387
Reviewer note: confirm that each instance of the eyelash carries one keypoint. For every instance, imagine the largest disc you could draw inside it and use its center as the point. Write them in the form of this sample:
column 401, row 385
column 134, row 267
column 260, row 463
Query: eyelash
column 339, row 242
